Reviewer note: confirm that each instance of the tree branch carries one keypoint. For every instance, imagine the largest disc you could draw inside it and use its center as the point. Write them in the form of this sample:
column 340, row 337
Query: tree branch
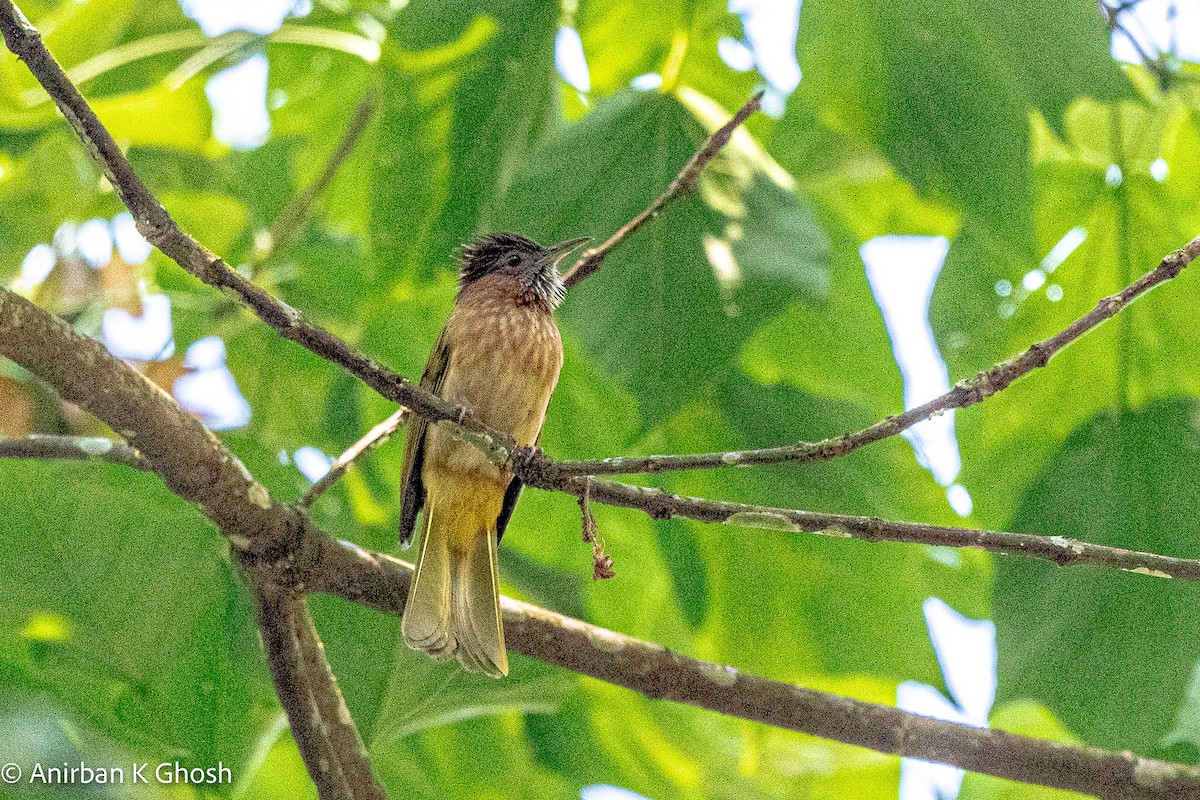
column 48, row 447
column 965, row 393
column 193, row 462
column 1061, row 550
column 281, row 543
column 658, row 673
column 321, row 725
column 590, row 260
column 373, row 438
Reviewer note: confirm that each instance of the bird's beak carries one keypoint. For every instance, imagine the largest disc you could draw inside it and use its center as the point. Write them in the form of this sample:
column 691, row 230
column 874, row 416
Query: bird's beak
column 555, row 252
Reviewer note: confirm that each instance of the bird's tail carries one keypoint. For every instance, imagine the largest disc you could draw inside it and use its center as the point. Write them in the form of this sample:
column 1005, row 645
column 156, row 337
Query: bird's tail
column 453, row 604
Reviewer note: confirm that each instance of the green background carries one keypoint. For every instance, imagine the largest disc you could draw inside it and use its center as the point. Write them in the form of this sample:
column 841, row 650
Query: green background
column 126, row 636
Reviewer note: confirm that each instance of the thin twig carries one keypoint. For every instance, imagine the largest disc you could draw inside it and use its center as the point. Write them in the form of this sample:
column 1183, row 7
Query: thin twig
column 373, row 438
column 321, row 726
column 297, row 211
column 965, row 393
column 591, row 259
column 1061, row 550
column 52, row 447
column 601, row 564
column 381, row 582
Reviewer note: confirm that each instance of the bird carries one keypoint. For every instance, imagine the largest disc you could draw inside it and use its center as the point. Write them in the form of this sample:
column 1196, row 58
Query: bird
column 499, row 355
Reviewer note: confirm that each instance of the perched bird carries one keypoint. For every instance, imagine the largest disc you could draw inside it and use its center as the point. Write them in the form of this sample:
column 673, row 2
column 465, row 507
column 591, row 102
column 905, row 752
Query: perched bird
column 499, row 355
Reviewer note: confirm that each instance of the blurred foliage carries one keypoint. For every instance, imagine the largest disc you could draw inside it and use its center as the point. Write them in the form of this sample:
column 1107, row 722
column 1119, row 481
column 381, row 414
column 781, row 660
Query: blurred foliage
column 740, row 318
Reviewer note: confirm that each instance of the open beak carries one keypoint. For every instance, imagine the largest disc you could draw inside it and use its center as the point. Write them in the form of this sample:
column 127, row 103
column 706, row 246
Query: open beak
column 555, row 252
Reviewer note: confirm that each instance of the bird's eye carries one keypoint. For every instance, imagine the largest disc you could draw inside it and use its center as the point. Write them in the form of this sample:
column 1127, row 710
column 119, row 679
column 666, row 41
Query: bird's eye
column 513, row 259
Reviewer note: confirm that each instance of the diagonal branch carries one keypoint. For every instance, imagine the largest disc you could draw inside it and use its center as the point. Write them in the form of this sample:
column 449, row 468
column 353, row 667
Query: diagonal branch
column 1061, row 550
column 321, row 726
column 965, row 393
column 156, row 224
column 297, row 211
column 661, row 674
column 373, row 438
column 282, row 544
column 591, row 259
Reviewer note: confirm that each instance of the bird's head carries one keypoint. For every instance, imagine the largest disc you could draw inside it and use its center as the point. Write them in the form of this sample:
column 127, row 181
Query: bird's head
column 532, row 270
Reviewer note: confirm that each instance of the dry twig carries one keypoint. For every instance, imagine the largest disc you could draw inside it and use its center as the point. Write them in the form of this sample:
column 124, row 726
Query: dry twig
column 965, row 393
column 591, row 259
column 373, row 438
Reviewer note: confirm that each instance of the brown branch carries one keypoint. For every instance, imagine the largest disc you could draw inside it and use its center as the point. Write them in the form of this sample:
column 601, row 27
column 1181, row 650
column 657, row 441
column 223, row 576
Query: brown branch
column 1061, row 550
column 591, row 259
column 321, row 725
column 302, row 558
column 49, row 447
column 297, row 211
column 193, row 462
column 965, row 393
column 373, row 438
column 661, row 674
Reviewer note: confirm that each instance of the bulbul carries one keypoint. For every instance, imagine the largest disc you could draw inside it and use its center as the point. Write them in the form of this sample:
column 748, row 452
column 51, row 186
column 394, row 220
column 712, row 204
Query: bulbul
column 499, row 355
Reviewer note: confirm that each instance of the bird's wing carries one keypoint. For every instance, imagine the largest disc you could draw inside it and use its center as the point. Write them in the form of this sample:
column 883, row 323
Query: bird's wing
column 510, row 502
column 511, row 495
column 412, row 491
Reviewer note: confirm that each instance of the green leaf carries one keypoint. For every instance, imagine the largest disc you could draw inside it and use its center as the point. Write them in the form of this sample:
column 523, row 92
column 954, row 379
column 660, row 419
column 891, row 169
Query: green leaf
column 466, row 94
column 943, row 88
column 215, row 219
column 1128, row 360
column 1110, row 653
column 183, row 120
column 120, row 605
column 808, row 345
column 677, row 39
column 40, row 188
